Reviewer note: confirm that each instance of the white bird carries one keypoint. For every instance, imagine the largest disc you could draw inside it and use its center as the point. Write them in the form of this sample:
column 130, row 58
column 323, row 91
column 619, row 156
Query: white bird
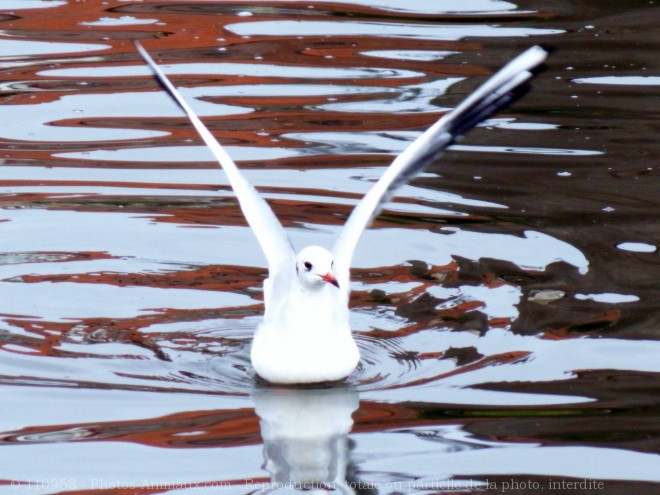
column 305, row 335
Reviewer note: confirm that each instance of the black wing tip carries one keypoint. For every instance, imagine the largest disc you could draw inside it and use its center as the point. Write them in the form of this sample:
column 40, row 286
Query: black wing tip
column 543, row 66
column 494, row 101
column 521, row 90
column 550, row 49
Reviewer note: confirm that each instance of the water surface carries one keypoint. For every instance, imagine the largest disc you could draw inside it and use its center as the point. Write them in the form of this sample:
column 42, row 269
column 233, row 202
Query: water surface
column 505, row 303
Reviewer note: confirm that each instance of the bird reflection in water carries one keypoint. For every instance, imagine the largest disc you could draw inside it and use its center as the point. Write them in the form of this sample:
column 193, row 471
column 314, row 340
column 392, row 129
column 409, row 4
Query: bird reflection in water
column 305, row 434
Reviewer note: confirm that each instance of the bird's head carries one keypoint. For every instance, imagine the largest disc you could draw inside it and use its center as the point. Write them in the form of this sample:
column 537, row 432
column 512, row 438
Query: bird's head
column 314, row 268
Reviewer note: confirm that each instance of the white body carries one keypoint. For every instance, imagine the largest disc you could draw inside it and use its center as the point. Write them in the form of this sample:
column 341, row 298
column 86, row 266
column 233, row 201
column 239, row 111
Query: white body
column 305, row 336
column 303, row 355
column 314, row 346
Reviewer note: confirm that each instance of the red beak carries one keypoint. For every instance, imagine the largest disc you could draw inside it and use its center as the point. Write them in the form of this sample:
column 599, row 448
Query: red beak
column 330, row 278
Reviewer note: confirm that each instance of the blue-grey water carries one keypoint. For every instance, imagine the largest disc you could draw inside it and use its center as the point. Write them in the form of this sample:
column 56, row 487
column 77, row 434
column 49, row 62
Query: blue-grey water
column 505, row 303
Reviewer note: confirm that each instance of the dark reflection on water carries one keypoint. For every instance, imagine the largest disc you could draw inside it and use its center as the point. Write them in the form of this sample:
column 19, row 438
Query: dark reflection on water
column 505, row 304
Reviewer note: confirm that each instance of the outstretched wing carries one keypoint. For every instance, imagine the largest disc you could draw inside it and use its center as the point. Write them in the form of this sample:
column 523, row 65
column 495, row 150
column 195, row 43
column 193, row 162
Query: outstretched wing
column 494, row 94
column 271, row 235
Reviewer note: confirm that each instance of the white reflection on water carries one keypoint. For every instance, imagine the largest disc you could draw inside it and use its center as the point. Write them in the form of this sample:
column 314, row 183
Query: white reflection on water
column 521, row 458
column 34, row 122
column 433, row 6
column 608, row 297
column 183, row 154
column 393, row 142
column 497, row 302
column 65, row 301
column 534, row 251
column 382, row 29
column 235, row 69
column 637, row 247
column 127, row 235
column 547, row 361
column 422, row 55
column 125, row 20
column 10, row 48
column 432, row 453
column 134, row 235
column 126, row 465
column 31, row 4
column 305, row 433
column 621, row 80
column 414, row 98
column 343, row 180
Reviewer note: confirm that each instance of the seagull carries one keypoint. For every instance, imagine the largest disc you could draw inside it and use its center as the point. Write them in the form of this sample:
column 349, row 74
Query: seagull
column 305, row 336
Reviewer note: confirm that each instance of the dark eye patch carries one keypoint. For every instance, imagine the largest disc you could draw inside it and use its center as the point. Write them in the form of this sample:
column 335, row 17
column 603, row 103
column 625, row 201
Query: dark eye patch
column 308, row 265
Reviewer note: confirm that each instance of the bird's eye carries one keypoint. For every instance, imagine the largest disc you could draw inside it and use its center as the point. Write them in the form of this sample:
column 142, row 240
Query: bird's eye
column 308, row 265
